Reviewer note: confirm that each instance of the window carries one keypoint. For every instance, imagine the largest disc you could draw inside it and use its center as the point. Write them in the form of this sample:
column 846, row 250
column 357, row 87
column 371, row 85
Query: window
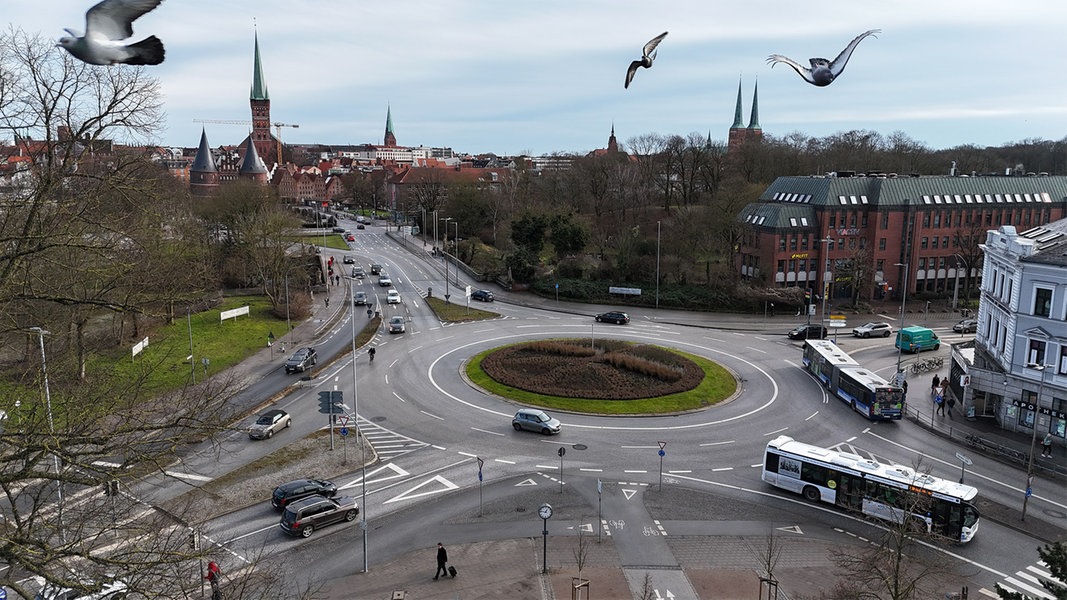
column 781, row 243
column 885, row 220
column 923, row 243
column 833, row 220
column 863, row 220
column 937, row 220
column 944, row 242
column 881, row 243
column 922, row 263
column 804, row 242
column 1042, row 302
column 1036, row 354
column 933, row 242
column 781, row 266
column 793, row 243
column 880, row 265
column 926, row 219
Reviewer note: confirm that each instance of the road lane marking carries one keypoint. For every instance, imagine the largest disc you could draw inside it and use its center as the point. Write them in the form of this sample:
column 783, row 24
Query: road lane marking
column 433, row 416
column 489, row 432
column 716, row 443
column 775, row 431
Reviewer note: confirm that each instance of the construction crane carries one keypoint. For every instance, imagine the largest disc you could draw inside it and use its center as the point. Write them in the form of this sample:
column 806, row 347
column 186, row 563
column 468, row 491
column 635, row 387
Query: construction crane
column 277, row 128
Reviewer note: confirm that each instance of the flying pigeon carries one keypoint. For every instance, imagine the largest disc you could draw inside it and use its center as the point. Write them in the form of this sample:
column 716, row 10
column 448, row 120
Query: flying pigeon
column 106, row 26
column 822, row 71
column 648, row 54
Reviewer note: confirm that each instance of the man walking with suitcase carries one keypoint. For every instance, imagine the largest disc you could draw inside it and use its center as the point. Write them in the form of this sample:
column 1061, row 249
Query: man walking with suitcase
column 442, row 560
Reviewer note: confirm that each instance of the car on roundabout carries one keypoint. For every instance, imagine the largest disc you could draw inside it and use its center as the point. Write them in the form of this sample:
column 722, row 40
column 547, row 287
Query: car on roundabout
column 613, row 316
column 384, row 280
column 537, row 420
column 303, row 517
column 807, row 332
column 393, row 297
column 348, row 260
column 396, row 324
column 269, row 423
column 873, row 329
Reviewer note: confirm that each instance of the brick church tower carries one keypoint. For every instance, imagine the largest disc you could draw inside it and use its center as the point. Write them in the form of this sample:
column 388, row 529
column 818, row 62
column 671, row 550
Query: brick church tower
column 739, row 134
column 390, row 138
column 260, row 101
column 203, row 175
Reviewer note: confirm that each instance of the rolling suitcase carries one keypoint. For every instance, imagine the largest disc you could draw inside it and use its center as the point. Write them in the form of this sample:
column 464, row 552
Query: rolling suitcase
column 452, row 571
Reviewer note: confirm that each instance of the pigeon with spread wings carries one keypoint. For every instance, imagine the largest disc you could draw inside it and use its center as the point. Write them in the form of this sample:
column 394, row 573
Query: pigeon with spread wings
column 822, row 71
column 648, row 54
column 107, row 25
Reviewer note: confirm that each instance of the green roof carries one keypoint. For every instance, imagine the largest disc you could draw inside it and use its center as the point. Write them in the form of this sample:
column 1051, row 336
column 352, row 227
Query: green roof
column 259, row 83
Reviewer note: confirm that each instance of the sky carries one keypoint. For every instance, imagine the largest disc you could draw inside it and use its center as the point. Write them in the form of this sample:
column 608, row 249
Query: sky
column 542, row 77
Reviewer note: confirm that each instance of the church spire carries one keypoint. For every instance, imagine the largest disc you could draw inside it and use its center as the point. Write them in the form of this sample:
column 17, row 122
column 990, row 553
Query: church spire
column 753, row 121
column 259, row 83
column 390, row 137
column 738, row 123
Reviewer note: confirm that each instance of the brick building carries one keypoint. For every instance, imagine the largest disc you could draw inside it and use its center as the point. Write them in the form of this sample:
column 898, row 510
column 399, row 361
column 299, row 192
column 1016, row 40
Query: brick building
column 811, row 232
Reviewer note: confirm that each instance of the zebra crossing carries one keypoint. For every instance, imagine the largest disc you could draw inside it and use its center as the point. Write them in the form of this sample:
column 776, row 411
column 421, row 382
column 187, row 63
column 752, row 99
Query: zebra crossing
column 387, row 443
column 1027, row 582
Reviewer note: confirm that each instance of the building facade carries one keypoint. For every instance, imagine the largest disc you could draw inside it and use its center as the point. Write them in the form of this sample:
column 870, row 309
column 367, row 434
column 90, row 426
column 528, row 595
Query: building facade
column 1017, row 372
column 874, row 235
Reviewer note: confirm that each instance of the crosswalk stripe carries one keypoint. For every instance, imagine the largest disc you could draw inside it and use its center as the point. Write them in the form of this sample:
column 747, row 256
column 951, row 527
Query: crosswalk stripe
column 1038, row 592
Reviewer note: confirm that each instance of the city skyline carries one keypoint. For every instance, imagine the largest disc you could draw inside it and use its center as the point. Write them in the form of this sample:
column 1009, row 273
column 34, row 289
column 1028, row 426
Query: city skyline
column 480, row 77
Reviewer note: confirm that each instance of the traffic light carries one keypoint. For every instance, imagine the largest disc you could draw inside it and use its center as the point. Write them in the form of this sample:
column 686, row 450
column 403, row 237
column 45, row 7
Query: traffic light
column 111, row 487
column 194, row 540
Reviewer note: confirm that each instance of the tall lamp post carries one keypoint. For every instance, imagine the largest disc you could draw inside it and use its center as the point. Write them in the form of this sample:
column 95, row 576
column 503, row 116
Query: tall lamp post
column 362, row 442
column 903, row 302
column 1033, row 436
column 657, row 262
column 956, row 289
column 826, row 263
column 51, row 425
column 444, row 254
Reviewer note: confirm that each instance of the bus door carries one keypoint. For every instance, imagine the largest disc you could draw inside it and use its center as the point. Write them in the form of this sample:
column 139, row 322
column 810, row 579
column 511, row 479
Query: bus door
column 849, row 492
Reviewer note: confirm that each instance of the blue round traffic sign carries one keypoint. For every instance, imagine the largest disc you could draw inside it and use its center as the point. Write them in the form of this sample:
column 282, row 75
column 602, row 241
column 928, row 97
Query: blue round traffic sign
column 662, row 453
column 344, row 432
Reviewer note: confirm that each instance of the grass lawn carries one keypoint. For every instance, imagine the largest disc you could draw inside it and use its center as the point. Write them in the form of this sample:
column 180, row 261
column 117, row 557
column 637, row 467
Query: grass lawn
column 452, row 312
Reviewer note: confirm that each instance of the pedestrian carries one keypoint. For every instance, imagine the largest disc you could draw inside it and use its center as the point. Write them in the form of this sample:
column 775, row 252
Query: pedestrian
column 951, row 404
column 939, row 400
column 442, row 560
column 904, row 386
column 1046, row 446
column 937, row 381
column 327, row 302
column 213, row 575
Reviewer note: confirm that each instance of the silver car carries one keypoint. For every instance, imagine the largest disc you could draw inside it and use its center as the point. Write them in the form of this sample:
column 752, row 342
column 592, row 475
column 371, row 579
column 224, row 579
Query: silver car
column 535, row 419
column 269, row 423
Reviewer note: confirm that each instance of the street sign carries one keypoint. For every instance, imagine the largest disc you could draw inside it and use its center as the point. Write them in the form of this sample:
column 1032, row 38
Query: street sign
column 561, row 451
column 662, row 445
column 963, row 459
column 662, row 453
column 343, row 419
column 344, row 431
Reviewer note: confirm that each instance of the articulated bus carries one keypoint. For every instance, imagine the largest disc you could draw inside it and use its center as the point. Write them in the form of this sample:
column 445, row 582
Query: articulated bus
column 889, row 492
column 866, row 392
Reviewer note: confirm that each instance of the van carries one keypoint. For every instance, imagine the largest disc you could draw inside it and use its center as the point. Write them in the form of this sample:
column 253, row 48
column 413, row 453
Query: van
column 916, row 339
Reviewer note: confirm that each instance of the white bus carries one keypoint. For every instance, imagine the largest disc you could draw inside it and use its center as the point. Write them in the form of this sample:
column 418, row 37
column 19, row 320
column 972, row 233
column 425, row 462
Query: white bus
column 890, row 492
column 866, row 392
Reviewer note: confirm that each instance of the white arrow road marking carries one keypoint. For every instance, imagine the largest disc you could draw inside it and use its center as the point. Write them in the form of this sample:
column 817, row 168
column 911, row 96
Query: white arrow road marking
column 448, row 485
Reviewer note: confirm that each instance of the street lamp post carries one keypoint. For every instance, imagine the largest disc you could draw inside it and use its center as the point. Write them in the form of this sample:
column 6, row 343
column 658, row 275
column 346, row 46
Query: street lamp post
column 51, row 425
column 362, row 442
column 903, row 302
column 657, row 262
column 1033, row 436
column 956, row 289
column 825, row 285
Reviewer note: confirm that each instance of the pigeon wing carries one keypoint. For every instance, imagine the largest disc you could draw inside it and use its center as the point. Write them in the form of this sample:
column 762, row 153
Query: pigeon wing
column 838, row 64
column 113, row 19
column 652, row 43
column 799, row 68
column 630, row 72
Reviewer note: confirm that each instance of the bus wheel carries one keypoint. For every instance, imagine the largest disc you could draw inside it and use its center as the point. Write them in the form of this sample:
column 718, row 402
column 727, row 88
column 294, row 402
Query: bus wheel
column 811, row 494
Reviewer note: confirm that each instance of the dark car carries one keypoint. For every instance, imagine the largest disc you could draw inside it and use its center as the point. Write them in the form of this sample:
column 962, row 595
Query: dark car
column 966, row 326
column 348, row 259
column 303, row 517
column 482, row 295
column 287, row 493
column 360, row 226
column 375, row 269
column 269, row 423
column 301, row 360
column 613, row 316
column 808, row 332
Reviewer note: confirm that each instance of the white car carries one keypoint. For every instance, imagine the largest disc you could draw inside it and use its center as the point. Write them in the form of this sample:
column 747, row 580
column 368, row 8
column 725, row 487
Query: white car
column 873, row 330
column 393, row 297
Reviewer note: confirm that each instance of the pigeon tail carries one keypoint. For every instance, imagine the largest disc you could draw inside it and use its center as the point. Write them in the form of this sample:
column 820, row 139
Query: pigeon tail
column 148, row 51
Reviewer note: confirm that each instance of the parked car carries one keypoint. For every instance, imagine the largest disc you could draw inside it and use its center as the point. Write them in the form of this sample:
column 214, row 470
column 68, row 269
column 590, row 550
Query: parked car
column 613, row 316
column 396, row 324
column 873, row 329
column 808, row 332
column 269, row 423
column 384, row 280
column 360, row 298
column 348, row 260
column 533, row 419
column 482, row 295
column 303, row 517
column 375, row 269
column 301, row 360
column 966, row 326
column 393, row 297
column 292, row 491
column 358, row 272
